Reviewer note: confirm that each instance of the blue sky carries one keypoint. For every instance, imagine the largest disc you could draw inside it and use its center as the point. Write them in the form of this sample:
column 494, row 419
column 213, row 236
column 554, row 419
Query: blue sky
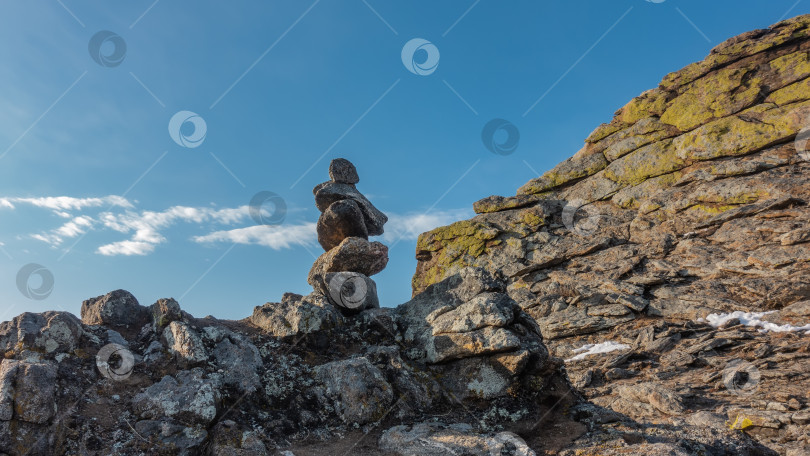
column 94, row 188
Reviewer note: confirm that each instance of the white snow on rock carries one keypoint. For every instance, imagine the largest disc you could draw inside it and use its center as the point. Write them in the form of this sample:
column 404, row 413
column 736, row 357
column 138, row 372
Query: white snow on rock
column 753, row 319
column 595, row 349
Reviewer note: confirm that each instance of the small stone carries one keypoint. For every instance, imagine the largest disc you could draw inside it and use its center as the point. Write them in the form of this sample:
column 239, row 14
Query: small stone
column 584, row 379
column 658, row 396
column 802, row 417
column 730, row 323
column 436, row 439
column 618, row 373
column 342, row 171
column 172, row 434
column 341, row 220
column 794, row 404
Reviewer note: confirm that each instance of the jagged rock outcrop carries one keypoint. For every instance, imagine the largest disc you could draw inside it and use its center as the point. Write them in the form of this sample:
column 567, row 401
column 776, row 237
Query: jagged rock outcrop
column 691, row 202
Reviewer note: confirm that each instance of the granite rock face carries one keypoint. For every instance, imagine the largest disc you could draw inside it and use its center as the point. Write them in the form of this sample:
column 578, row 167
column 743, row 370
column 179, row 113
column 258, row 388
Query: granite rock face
column 691, row 204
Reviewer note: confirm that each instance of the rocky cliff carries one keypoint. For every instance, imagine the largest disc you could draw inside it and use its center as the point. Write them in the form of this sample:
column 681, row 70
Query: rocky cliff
column 590, row 314
column 692, row 202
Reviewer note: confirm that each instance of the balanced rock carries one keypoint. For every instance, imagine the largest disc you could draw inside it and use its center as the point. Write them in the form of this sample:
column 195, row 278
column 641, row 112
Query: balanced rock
column 330, row 192
column 353, row 254
column 343, row 171
column 347, row 220
column 342, row 219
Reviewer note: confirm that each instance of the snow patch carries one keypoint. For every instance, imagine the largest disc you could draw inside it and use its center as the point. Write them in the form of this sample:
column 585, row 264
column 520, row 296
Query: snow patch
column 595, row 349
column 753, row 319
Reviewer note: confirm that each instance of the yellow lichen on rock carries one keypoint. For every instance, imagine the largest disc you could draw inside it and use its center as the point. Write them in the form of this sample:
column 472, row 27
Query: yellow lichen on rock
column 716, row 95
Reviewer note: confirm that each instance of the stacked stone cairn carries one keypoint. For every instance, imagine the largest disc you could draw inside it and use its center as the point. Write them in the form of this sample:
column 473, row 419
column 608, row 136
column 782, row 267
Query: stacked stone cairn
column 347, row 220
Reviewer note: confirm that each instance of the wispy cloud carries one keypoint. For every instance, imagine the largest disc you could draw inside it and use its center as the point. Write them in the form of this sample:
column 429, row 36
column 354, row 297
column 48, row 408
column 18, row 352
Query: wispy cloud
column 146, row 226
column 145, row 229
column 60, row 204
column 275, row 237
column 77, row 226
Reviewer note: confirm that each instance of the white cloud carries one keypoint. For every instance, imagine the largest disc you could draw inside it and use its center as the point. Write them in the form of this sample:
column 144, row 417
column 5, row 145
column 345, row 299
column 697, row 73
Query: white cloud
column 126, row 248
column 146, row 225
column 71, row 229
column 276, row 237
column 60, row 204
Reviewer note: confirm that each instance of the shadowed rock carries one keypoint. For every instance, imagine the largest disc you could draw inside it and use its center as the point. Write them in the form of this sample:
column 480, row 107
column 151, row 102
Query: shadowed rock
column 342, row 219
column 330, row 192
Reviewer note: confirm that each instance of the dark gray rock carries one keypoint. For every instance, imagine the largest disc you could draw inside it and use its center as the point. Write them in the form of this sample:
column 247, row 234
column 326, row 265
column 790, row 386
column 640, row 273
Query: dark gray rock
column 356, row 388
column 342, row 171
column 352, row 255
column 342, row 219
column 118, row 309
column 296, row 315
column 330, row 192
column 173, row 436
column 188, row 397
column 27, row 391
column 49, row 332
column 238, row 358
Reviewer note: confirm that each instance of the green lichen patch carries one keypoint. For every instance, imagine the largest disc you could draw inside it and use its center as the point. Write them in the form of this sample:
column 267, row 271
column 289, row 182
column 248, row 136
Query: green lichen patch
column 645, row 131
column 501, row 203
column 574, row 168
column 604, row 130
column 650, row 161
column 713, row 96
column 741, row 46
column 632, row 197
column 466, row 236
column 750, row 131
column 798, row 91
column 650, row 103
